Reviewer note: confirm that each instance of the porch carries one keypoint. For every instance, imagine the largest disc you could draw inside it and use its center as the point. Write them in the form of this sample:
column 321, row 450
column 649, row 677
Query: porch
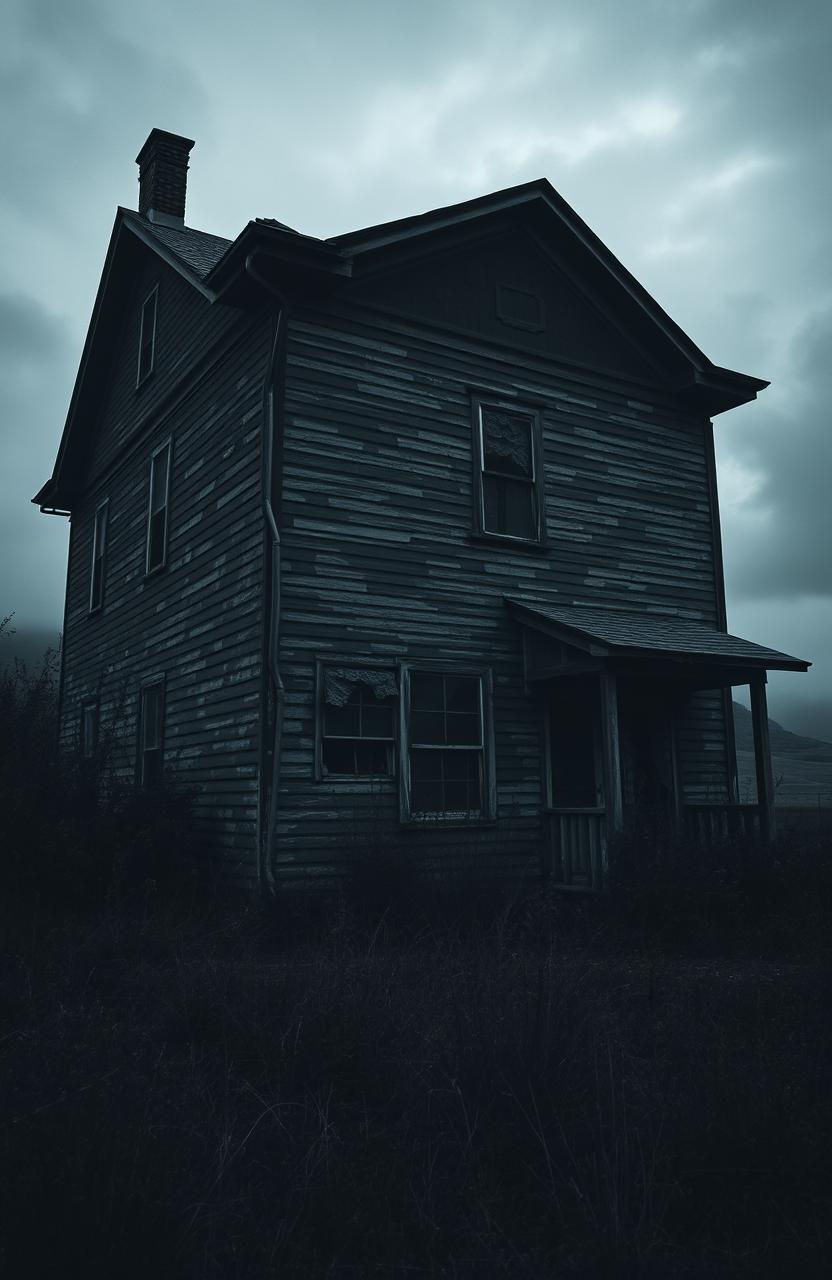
column 614, row 689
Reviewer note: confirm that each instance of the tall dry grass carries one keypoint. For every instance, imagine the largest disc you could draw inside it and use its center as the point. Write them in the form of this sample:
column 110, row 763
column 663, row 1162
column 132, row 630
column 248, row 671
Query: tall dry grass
column 411, row 1086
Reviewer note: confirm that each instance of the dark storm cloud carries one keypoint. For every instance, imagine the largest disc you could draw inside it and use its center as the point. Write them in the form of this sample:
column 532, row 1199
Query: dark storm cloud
column 29, row 335
column 37, row 355
column 71, row 86
column 694, row 136
column 785, row 533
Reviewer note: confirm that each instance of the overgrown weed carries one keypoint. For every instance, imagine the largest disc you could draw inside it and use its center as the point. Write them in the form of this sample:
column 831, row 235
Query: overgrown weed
column 438, row 1081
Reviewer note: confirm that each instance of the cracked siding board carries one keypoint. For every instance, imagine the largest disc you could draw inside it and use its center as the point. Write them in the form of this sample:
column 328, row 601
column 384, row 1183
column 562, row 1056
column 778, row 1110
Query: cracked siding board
column 378, row 558
column 200, row 620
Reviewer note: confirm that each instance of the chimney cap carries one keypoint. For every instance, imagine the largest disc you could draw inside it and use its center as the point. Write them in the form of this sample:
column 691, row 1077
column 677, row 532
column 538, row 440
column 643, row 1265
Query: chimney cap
column 161, row 135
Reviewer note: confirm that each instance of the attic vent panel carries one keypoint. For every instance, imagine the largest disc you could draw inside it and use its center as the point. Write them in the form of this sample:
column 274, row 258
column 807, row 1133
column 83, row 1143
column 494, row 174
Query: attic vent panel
column 520, row 309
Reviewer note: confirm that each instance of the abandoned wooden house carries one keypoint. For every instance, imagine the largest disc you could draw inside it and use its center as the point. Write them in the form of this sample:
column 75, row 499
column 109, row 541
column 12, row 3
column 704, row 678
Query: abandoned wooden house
column 409, row 535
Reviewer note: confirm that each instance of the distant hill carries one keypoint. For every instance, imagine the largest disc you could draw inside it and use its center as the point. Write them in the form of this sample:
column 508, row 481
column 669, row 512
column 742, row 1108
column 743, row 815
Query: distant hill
column 783, row 742
column 802, row 767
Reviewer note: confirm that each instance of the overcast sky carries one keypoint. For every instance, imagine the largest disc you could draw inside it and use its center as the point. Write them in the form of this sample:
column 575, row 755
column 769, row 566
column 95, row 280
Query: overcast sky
column 694, row 136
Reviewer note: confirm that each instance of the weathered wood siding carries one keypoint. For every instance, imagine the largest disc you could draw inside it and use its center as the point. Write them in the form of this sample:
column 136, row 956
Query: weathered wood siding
column 199, row 620
column 379, row 560
column 187, row 329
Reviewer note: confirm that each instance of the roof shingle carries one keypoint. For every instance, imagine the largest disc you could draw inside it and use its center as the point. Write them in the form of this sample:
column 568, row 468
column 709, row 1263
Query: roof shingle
column 199, row 250
column 632, row 632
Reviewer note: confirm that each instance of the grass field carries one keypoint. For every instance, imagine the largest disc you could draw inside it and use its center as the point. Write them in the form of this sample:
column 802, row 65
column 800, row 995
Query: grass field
column 407, row 1079
column 545, row 1088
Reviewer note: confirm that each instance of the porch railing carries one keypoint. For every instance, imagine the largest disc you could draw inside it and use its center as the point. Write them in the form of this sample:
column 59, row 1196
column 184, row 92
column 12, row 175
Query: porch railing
column 575, row 839
column 712, row 823
column 575, row 846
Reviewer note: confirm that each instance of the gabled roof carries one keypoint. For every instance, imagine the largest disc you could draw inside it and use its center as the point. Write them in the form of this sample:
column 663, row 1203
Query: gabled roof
column 221, row 270
column 612, row 633
column 710, row 386
column 189, row 252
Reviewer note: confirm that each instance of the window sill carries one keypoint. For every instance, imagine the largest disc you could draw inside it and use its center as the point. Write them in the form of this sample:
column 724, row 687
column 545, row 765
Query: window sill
column 447, row 824
column 363, row 778
column 518, row 544
column 157, row 569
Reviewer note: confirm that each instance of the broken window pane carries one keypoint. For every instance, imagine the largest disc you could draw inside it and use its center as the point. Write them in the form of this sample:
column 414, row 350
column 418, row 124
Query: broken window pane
column 358, row 726
column 507, row 443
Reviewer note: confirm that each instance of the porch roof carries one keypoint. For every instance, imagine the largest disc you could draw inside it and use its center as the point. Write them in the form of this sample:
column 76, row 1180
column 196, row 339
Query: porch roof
column 607, row 633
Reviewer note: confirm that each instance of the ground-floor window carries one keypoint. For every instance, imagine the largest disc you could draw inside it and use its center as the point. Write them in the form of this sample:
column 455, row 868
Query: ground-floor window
column 356, row 722
column 89, row 729
column 446, row 745
column 151, row 732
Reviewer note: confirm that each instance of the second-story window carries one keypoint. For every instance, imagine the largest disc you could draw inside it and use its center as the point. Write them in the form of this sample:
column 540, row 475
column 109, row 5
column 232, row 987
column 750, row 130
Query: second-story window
column 147, row 337
column 157, row 511
column 99, row 551
column 508, row 501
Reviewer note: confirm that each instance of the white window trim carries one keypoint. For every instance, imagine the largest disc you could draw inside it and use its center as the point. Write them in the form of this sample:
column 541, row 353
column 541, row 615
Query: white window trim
column 489, row 782
column 99, row 552
column 148, row 568
column 142, row 377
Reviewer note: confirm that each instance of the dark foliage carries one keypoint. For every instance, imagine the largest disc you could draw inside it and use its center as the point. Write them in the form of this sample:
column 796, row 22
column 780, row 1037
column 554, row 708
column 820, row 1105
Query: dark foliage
column 408, row 1078
column 72, row 834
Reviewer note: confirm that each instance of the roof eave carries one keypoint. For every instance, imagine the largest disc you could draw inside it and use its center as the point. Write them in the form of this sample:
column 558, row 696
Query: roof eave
column 717, row 389
column 714, row 389
column 297, row 252
column 527, row 615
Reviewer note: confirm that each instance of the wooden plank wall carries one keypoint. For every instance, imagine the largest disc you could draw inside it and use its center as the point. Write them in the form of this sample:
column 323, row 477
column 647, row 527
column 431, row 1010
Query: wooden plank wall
column 379, row 561
column 198, row 621
column 187, row 326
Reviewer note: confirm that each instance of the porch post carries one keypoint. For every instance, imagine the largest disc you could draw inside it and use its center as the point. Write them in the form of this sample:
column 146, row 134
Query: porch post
column 676, row 773
column 762, row 758
column 611, row 752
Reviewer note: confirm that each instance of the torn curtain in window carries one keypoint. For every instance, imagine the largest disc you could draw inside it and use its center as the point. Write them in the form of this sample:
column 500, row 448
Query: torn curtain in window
column 339, row 683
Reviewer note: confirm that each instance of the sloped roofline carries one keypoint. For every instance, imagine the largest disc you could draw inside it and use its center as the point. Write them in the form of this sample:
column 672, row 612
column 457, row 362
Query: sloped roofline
column 719, row 388
column 337, row 254
column 617, row 633
column 541, row 190
column 127, row 221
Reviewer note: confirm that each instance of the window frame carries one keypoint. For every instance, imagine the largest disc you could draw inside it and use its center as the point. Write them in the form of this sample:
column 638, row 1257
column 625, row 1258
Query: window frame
column 148, row 567
column 100, row 532
column 148, row 686
column 485, row 676
column 480, row 403
column 321, row 773
column 88, row 743
column 143, row 374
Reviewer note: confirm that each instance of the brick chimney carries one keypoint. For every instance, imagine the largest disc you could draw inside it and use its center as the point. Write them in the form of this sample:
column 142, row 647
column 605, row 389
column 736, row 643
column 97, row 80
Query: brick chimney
column 163, row 177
